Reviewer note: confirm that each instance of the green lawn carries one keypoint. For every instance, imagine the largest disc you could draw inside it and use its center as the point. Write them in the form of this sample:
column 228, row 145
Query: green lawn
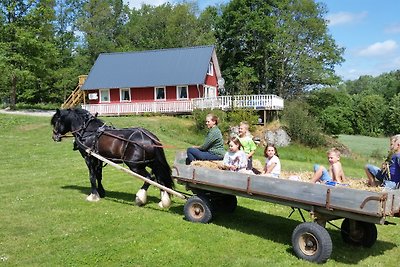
column 366, row 146
column 45, row 220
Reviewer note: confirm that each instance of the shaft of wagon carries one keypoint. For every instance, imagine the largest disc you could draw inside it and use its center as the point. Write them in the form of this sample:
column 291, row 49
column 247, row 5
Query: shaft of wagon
column 169, row 190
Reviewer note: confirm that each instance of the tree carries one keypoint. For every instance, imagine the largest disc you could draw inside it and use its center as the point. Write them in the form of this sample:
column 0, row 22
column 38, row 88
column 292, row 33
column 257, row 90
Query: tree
column 285, row 42
column 26, row 43
column 392, row 122
column 102, row 24
column 168, row 26
column 369, row 112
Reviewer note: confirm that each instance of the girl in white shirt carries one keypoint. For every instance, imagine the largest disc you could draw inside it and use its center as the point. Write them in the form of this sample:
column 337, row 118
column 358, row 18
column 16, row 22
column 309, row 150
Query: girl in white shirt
column 235, row 159
column 272, row 162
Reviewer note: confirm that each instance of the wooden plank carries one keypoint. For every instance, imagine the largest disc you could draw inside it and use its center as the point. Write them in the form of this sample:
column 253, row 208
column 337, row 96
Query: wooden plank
column 374, row 204
column 169, row 190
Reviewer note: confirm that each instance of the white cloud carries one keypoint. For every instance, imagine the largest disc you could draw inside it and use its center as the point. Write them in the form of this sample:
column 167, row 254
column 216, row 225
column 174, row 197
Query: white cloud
column 395, row 28
column 379, row 49
column 138, row 3
column 345, row 18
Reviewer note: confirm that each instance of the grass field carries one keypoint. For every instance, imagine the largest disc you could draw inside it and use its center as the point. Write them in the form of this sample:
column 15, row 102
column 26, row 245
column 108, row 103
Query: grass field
column 45, row 220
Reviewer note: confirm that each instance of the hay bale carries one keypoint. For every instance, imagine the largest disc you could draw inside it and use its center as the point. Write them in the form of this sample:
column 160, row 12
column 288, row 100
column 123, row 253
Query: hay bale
column 211, row 164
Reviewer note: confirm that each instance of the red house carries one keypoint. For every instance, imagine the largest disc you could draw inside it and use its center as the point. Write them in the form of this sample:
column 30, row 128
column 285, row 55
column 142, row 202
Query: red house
column 157, row 80
column 174, row 80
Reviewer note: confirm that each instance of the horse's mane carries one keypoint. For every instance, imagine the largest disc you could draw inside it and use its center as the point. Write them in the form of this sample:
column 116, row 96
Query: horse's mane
column 75, row 114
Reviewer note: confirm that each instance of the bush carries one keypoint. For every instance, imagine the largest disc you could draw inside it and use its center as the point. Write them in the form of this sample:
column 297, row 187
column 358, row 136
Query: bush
column 226, row 120
column 200, row 117
column 41, row 106
column 337, row 120
column 301, row 126
column 392, row 122
column 237, row 115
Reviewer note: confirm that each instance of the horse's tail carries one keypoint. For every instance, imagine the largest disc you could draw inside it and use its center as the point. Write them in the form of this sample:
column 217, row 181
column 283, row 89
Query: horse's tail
column 161, row 169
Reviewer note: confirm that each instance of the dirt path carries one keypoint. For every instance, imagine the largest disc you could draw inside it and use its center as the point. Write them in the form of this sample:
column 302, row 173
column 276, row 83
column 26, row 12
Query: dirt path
column 43, row 113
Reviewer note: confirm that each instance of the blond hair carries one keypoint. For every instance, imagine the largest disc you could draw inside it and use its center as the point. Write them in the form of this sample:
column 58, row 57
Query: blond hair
column 334, row 150
column 395, row 138
column 245, row 124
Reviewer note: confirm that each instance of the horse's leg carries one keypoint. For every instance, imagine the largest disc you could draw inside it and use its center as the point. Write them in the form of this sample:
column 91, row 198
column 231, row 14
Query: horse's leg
column 94, row 171
column 99, row 177
column 165, row 200
column 141, row 195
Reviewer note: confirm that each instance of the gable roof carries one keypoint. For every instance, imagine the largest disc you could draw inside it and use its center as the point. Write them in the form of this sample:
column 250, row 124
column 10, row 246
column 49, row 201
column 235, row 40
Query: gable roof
column 177, row 66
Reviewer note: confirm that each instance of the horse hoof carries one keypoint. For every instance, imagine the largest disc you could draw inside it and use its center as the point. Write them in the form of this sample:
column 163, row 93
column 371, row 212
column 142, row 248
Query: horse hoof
column 165, row 200
column 141, row 197
column 93, row 197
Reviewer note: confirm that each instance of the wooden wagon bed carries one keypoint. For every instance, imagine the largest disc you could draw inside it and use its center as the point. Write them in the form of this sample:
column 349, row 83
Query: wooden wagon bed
column 361, row 209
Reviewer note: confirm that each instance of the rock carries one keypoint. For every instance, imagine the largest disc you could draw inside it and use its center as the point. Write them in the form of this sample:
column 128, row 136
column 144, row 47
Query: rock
column 278, row 137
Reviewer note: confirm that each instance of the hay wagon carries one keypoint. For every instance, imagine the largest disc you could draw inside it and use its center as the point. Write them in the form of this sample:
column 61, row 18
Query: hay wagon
column 362, row 210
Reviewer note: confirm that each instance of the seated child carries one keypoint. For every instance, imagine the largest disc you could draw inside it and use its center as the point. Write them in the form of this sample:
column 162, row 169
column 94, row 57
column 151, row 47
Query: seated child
column 334, row 173
column 235, row 159
column 272, row 162
column 248, row 145
column 390, row 168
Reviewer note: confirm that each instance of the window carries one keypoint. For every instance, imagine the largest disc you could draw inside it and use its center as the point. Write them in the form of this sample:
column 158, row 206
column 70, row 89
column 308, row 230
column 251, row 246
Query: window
column 125, row 94
column 210, row 69
column 159, row 93
column 210, row 92
column 182, row 92
column 104, row 95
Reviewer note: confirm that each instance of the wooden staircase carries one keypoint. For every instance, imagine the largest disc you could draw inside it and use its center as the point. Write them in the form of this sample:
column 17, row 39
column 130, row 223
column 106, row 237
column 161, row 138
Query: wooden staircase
column 77, row 96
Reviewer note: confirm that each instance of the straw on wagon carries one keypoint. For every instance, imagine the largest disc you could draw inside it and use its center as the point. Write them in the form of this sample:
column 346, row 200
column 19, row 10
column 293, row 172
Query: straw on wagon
column 355, row 183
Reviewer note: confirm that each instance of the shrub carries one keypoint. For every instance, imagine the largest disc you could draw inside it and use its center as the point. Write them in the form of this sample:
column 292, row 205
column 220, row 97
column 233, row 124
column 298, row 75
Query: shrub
column 200, row 116
column 226, row 120
column 237, row 115
column 337, row 120
column 301, row 126
column 392, row 122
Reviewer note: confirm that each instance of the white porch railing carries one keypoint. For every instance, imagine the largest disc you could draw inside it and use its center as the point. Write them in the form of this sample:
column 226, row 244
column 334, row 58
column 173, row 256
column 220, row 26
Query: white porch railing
column 262, row 102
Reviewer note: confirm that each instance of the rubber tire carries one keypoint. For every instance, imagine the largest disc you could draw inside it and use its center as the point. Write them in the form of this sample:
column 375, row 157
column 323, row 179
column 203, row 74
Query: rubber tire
column 198, row 209
column 224, row 203
column 365, row 235
column 312, row 242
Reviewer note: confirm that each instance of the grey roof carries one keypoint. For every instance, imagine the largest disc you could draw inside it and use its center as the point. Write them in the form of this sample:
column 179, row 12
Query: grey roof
column 177, row 66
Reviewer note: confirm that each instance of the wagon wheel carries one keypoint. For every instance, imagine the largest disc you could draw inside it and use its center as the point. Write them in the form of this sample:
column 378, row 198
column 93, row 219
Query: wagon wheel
column 224, row 203
column 198, row 209
column 358, row 233
column 312, row 242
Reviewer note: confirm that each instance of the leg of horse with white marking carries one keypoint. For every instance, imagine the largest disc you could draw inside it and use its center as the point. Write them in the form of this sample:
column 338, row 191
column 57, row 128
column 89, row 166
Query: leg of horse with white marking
column 165, row 200
column 93, row 164
column 141, row 195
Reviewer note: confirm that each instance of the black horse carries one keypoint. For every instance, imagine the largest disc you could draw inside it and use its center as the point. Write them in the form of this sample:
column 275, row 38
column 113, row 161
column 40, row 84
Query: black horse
column 138, row 148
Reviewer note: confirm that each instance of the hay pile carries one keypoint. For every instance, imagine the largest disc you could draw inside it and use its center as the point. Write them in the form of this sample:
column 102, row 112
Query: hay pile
column 354, row 183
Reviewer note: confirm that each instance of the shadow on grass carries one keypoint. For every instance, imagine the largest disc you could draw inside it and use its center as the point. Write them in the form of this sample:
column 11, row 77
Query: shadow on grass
column 270, row 227
column 279, row 229
column 116, row 196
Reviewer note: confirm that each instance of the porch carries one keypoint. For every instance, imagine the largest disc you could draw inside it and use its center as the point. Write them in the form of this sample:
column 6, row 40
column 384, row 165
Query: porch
column 258, row 102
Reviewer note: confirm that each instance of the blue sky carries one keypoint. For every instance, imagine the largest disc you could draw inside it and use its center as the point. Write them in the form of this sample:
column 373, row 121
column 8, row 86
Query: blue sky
column 369, row 30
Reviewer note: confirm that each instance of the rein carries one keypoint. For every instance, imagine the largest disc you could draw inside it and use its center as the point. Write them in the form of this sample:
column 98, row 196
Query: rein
column 134, row 142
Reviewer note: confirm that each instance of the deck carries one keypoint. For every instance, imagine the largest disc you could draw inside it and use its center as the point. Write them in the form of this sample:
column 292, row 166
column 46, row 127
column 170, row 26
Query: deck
column 258, row 102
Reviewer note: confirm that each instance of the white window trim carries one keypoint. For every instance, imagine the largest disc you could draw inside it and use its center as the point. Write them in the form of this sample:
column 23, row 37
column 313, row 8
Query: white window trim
column 120, row 94
column 101, row 95
column 155, row 93
column 177, row 92
column 207, row 91
column 210, row 70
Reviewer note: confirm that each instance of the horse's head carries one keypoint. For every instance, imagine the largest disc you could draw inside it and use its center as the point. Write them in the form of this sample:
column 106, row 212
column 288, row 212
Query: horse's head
column 61, row 124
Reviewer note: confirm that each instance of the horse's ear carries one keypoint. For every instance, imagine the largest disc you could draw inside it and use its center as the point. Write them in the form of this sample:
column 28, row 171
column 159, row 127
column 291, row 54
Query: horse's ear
column 95, row 115
column 58, row 111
